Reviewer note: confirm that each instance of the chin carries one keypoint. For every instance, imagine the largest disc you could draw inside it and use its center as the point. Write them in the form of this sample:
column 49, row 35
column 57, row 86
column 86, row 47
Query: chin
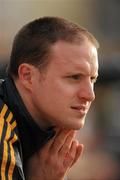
column 75, row 126
column 79, row 125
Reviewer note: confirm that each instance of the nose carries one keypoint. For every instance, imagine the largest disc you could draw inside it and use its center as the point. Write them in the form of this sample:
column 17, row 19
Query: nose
column 86, row 92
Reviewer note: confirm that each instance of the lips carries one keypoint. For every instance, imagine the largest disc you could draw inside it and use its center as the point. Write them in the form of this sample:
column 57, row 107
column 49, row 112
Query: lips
column 80, row 109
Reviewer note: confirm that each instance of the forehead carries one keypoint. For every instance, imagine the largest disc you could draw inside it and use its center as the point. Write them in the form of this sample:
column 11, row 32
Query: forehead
column 66, row 55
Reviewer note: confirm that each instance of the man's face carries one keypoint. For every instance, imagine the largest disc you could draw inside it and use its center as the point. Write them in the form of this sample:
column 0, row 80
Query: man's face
column 63, row 92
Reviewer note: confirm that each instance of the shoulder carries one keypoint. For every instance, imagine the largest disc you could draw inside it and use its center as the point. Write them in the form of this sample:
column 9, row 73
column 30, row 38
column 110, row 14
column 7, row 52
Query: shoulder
column 7, row 122
column 10, row 161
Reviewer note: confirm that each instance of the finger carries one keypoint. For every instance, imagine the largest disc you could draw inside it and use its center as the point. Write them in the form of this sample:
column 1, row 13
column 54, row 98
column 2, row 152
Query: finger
column 59, row 140
column 67, row 144
column 79, row 151
column 51, row 143
column 70, row 155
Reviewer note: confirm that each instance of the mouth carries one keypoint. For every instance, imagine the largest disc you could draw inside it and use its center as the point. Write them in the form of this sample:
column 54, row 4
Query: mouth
column 82, row 110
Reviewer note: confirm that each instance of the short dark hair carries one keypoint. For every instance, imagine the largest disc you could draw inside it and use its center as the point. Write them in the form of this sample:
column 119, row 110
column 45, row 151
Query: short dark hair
column 32, row 43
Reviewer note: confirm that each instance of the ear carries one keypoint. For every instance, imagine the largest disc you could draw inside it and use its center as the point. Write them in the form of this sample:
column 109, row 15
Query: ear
column 25, row 73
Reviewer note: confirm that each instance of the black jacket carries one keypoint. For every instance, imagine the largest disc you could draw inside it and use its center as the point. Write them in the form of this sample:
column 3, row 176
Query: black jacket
column 20, row 136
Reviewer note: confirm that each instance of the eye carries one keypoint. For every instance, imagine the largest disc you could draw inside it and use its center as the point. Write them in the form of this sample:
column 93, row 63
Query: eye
column 75, row 76
column 93, row 79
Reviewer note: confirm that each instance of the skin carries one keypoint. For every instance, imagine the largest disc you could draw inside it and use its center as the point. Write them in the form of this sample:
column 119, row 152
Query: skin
column 60, row 95
column 56, row 157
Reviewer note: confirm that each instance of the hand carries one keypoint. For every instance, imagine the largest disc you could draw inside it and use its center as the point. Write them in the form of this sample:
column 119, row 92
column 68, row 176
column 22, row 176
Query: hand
column 54, row 160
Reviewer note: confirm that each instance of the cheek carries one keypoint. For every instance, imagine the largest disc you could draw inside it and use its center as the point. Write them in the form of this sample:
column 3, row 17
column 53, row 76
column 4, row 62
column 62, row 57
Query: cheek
column 63, row 93
column 89, row 105
column 64, row 88
column 57, row 92
column 54, row 97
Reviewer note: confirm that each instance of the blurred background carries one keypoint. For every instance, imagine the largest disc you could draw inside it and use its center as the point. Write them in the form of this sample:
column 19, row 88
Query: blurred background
column 101, row 134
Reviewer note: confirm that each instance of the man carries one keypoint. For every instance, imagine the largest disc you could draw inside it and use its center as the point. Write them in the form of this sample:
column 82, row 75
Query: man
column 45, row 98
